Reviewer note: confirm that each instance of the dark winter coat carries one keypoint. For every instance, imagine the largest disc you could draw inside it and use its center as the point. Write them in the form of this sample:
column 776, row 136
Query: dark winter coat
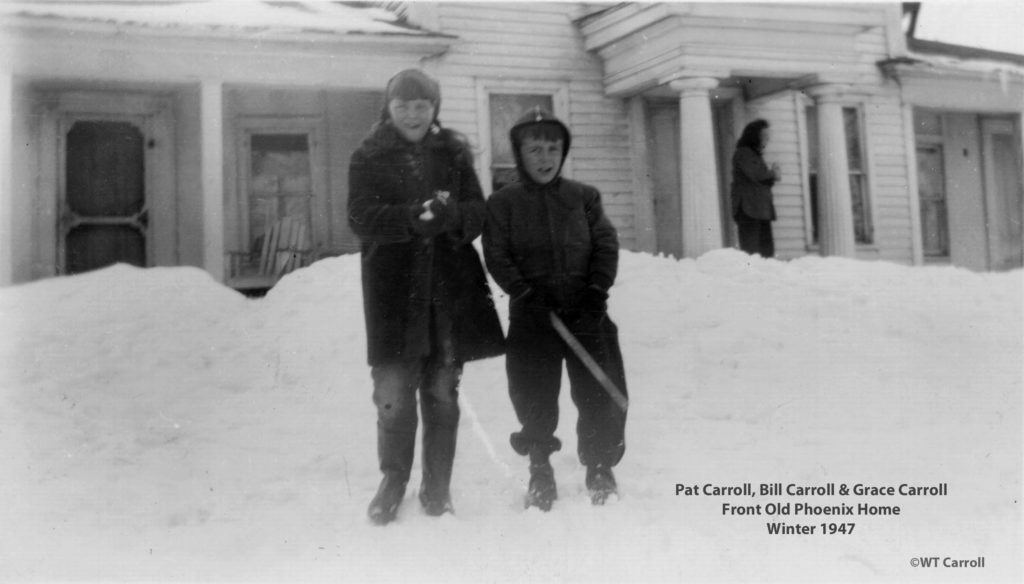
column 752, row 182
column 553, row 238
column 407, row 276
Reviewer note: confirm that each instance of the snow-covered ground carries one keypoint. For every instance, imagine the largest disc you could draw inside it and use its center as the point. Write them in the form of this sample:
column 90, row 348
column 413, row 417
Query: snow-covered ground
column 156, row 426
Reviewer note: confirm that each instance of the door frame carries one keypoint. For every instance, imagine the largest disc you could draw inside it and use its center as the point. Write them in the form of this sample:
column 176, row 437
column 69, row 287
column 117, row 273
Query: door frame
column 238, row 200
column 727, row 111
column 993, row 207
column 152, row 115
column 666, row 199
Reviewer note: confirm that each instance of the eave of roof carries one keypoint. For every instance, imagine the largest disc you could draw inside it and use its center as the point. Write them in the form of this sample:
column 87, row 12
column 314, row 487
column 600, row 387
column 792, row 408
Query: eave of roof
column 936, row 59
column 961, row 52
column 286, row 21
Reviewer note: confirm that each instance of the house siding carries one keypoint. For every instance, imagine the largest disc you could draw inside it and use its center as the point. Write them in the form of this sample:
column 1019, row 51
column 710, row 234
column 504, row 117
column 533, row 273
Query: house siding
column 886, row 159
column 605, row 76
column 887, row 163
column 500, row 41
column 505, row 41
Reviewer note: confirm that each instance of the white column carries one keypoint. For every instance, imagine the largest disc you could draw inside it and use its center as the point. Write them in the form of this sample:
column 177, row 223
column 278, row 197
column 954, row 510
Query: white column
column 6, row 179
column 702, row 224
column 212, row 147
column 913, row 189
column 835, row 210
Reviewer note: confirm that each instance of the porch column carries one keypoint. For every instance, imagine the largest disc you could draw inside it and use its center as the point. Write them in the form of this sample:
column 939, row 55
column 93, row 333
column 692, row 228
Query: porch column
column 702, row 223
column 212, row 148
column 6, row 179
column 835, row 210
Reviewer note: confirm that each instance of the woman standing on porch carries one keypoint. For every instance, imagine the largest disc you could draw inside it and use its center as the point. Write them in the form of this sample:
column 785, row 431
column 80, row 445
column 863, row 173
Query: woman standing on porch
column 752, row 180
column 416, row 204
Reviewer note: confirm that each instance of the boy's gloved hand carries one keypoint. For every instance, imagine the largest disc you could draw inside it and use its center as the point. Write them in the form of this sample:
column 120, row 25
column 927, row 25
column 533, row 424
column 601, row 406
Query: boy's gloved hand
column 585, row 318
column 594, row 299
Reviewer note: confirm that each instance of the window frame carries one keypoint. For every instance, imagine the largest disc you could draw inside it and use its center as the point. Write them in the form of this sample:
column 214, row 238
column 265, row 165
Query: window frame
column 865, row 174
column 247, row 126
column 559, row 92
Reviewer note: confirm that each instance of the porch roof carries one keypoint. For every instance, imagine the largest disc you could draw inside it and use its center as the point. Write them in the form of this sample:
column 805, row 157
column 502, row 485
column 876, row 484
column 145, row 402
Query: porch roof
column 349, row 45
column 264, row 19
column 646, row 45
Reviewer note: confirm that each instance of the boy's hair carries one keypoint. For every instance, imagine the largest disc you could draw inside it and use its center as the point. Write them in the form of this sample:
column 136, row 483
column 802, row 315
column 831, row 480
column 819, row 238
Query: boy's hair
column 548, row 132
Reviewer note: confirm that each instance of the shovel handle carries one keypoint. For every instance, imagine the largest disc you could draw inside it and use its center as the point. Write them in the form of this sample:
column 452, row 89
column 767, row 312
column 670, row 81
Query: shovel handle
column 589, row 362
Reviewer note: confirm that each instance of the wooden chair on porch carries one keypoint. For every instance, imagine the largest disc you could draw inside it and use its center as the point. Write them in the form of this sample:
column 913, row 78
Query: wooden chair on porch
column 285, row 248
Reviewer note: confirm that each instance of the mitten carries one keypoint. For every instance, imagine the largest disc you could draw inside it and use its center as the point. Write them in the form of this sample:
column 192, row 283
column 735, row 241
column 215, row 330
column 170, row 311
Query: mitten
column 452, row 216
column 427, row 218
column 584, row 319
column 594, row 299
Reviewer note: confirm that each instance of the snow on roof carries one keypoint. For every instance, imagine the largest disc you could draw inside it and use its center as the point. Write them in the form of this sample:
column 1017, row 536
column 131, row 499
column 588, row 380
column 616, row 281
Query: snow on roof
column 243, row 15
column 940, row 57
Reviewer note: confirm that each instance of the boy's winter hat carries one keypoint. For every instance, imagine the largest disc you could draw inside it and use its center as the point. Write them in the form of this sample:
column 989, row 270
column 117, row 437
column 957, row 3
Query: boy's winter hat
column 538, row 116
column 413, row 84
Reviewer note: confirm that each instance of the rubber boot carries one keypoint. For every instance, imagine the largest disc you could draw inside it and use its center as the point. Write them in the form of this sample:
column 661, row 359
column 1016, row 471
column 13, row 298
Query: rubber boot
column 600, row 483
column 384, row 506
column 438, row 457
column 542, row 491
column 395, row 450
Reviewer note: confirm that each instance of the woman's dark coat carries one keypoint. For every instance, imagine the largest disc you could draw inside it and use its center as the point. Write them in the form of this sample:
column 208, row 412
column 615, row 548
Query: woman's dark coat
column 752, row 182
column 405, row 273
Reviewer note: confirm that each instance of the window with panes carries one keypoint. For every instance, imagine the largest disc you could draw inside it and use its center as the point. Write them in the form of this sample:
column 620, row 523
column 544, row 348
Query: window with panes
column 857, row 168
column 505, row 109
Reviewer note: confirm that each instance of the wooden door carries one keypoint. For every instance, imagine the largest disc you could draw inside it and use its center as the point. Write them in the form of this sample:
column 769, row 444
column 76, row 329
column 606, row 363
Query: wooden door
column 931, row 186
column 1002, row 176
column 103, row 216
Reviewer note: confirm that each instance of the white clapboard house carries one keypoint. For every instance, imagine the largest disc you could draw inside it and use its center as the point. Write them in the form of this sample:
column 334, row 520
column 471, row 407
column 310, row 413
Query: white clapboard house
column 217, row 134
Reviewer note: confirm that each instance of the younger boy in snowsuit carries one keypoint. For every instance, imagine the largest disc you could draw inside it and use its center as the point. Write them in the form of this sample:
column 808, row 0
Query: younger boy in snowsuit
column 549, row 245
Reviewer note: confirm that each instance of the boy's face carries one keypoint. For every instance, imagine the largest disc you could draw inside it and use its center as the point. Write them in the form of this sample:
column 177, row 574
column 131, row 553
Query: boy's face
column 412, row 117
column 542, row 159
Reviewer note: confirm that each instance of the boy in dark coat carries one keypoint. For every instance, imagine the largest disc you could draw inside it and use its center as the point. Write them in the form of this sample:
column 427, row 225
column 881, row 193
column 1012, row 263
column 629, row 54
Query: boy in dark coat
column 549, row 245
column 416, row 204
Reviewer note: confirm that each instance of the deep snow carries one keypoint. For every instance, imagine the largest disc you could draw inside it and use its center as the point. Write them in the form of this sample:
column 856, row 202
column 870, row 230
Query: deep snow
column 155, row 425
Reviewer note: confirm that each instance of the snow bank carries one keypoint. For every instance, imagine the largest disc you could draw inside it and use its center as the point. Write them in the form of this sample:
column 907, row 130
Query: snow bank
column 157, row 426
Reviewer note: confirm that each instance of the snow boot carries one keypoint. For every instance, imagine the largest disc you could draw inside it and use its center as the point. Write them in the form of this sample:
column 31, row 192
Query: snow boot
column 438, row 457
column 384, row 506
column 395, row 452
column 542, row 491
column 600, row 483
column 436, row 505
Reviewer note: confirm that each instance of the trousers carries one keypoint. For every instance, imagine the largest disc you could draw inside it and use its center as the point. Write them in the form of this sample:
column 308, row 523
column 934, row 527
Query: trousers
column 755, row 235
column 395, row 387
column 535, row 353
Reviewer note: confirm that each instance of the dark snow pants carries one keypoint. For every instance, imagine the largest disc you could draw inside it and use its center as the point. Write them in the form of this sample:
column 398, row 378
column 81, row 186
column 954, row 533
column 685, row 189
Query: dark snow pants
column 535, row 353
column 394, row 394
